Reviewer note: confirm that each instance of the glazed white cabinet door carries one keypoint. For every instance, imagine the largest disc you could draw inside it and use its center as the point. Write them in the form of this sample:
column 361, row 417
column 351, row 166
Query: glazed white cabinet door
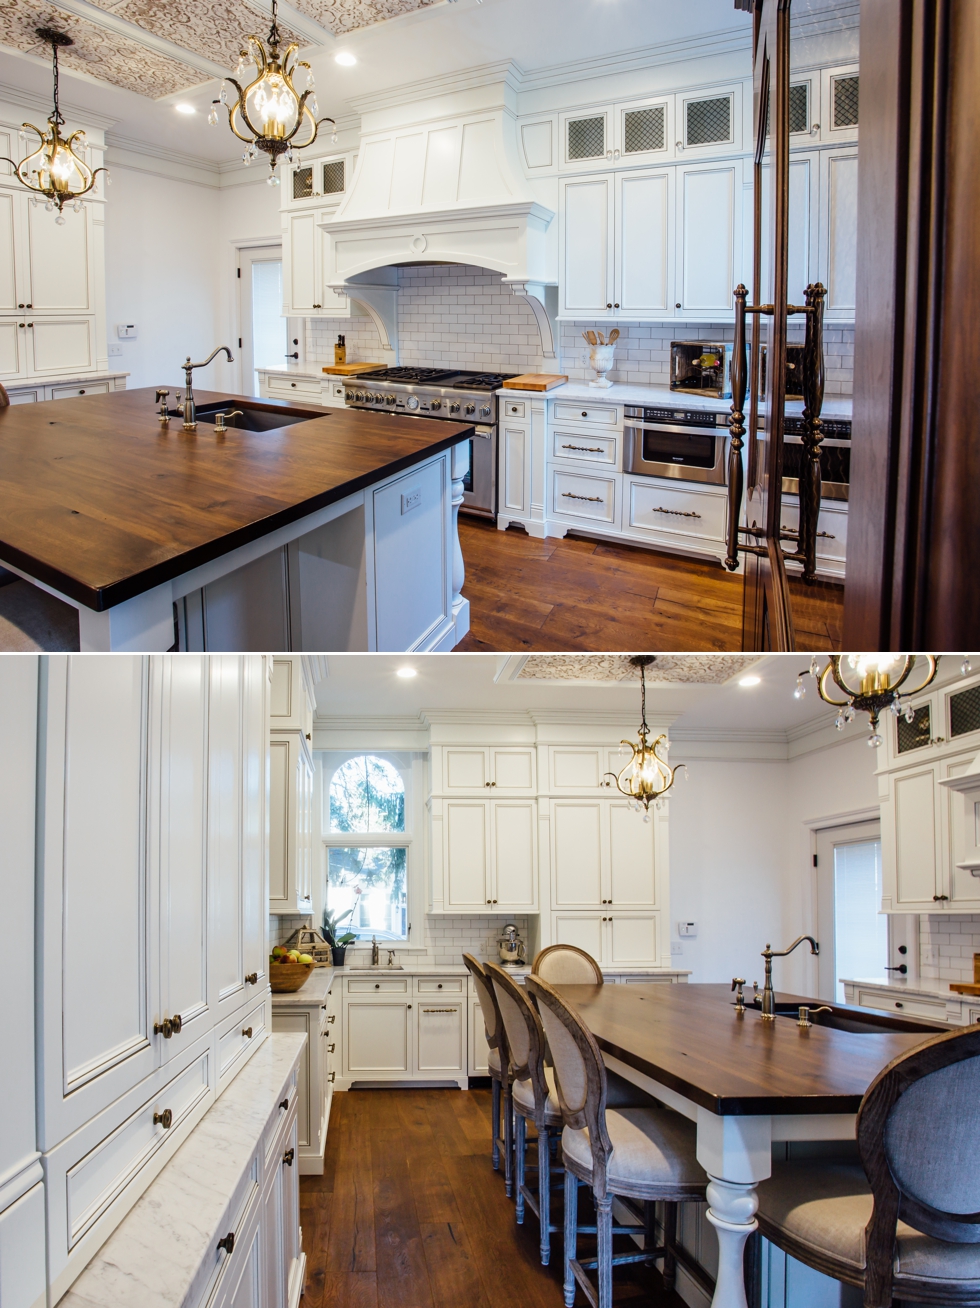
column 963, row 857
column 587, row 246
column 12, row 343
column 632, row 867
column 411, row 576
column 577, row 855
column 59, row 344
column 441, row 1037
column 838, row 235
column 631, row 940
column 225, row 832
column 583, row 930
column 644, row 241
column 99, row 984
column 466, row 855
column 8, row 253
column 22, row 1278
column 911, row 856
column 377, row 1038
column 804, row 185
column 255, row 779
column 515, row 471
column 59, row 260
column 290, row 824
column 294, row 1260
column 479, row 1049
column 514, row 854
column 708, row 234
column 300, row 250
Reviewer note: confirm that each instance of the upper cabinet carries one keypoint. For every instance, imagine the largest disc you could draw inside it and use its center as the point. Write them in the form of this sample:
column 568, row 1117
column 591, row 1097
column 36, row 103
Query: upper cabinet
column 291, row 707
column 708, row 235
column 318, row 182
column 507, row 770
column 291, row 702
column 307, row 267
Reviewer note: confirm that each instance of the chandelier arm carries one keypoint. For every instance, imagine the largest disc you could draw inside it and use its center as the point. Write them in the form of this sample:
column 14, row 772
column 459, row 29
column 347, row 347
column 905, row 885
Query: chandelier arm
column 253, row 40
column 822, row 688
column 932, row 663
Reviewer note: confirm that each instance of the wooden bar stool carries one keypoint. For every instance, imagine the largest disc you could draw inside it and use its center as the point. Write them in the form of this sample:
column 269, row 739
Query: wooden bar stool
column 907, row 1222
column 566, row 965
column 498, row 1062
column 630, row 1154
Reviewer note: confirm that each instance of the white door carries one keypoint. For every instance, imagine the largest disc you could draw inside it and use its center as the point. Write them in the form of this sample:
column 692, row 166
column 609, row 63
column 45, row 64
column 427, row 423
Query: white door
column 577, row 853
column 644, row 242
column 587, row 246
column 852, row 929
column 466, row 854
column 707, row 235
column 264, row 330
column 632, row 870
column 225, row 844
column 59, row 261
column 513, row 835
column 838, row 239
column 377, row 1038
column 631, row 940
column 441, row 1047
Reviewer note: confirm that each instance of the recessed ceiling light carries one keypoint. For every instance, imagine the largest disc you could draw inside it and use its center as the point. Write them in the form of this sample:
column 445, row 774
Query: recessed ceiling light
column 185, row 108
column 345, row 58
column 407, row 672
column 749, row 681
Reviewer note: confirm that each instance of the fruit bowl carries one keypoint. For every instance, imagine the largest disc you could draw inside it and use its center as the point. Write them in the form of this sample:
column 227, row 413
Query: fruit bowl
column 284, row 978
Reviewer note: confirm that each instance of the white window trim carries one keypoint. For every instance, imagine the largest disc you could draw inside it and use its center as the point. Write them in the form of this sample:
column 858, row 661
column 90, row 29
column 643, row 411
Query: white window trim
column 412, row 767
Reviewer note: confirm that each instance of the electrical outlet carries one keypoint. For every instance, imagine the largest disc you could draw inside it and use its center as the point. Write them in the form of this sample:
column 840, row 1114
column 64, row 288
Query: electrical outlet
column 676, row 948
column 115, row 351
column 411, row 499
column 687, row 929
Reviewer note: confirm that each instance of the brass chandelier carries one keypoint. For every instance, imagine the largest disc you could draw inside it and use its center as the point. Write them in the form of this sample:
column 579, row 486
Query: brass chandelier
column 54, row 170
column 870, row 683
column 269, row 113
column 647, row 777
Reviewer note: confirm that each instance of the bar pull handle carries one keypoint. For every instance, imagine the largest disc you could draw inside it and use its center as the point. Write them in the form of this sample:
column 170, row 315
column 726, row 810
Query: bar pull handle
column 739, row 374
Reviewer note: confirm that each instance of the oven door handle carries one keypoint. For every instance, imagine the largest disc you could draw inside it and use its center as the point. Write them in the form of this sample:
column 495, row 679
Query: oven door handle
column 484, row 432
column 679, row 430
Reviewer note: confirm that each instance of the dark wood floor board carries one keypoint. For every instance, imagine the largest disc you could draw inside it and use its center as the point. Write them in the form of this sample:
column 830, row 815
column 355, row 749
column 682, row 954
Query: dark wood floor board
column 351, row 1236
column 402, row 1275
column 473, row 1114
column 453, row 1273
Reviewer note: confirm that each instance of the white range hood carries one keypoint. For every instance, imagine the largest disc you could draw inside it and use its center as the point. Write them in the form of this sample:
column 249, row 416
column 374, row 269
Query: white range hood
column 438, row 181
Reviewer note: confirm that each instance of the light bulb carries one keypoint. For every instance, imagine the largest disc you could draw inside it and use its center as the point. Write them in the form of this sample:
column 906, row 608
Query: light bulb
column 863, row 664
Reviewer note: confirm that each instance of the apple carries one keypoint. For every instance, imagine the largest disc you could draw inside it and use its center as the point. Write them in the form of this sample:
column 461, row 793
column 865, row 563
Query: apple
column 306, row 958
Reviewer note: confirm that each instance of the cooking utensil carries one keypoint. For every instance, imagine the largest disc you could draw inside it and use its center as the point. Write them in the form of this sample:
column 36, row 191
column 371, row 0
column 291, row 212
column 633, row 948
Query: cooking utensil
column 613, row 336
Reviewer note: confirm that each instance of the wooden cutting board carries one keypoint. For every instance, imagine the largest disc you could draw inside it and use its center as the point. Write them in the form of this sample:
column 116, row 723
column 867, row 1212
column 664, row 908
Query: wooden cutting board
column 348, row 369
column 964, row 988
column 535, row 381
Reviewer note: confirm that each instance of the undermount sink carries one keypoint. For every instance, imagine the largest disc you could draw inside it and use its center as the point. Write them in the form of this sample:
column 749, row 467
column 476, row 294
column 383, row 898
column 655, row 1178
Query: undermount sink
column 849, row 1019
column 255, row 417
column 380, row 967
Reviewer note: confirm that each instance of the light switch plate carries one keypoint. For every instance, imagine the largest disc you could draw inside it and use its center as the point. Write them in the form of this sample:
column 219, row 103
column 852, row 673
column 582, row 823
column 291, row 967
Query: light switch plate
column 676, row 948
column 115, row 351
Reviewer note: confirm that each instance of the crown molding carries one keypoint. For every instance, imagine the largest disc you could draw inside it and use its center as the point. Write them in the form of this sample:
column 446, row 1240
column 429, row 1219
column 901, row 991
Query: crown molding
column 16, row 96
column 506, row 71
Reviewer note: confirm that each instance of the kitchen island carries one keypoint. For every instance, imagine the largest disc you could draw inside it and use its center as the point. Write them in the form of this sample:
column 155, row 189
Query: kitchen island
column 314, row 529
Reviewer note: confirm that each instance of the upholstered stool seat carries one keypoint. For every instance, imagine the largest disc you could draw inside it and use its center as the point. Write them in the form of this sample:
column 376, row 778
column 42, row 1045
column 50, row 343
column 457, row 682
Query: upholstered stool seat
column 822, row 1210
column 652, row 1148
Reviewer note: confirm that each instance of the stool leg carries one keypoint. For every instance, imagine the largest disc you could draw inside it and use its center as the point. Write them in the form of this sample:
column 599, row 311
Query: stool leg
column 670, row 1241
column 604, row 1238
column 520, row 1159
column 508, row 1107
column 544, row 1192
column 495, row 1118
column 571, row 1235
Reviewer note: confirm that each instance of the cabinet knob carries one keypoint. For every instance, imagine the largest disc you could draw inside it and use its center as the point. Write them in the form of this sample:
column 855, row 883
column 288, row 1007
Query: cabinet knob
column 331, row 1048
column 377, row 984
column 251, row 978
column 308, row 736
column 439, row 987
column 81, row 392
column 228, row 1243
column 247, row 1032
column 165, row 1119
column 677, row 305
column 288, row 1157
column 609, row 305
column 284, row 1103
column 899, row 1004
column 332, row 1018
column 170, row 1026
column 332, row 1077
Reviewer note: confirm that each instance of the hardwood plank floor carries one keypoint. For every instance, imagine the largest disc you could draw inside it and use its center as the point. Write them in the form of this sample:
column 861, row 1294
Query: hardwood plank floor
column 409, row 1213
column 590, row 595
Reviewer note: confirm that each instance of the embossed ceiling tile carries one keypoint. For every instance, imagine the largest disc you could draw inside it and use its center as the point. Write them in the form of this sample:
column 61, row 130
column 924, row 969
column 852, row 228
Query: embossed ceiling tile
column 696, row 669
column 215, row 28
column 340, row 16
column 103, row 54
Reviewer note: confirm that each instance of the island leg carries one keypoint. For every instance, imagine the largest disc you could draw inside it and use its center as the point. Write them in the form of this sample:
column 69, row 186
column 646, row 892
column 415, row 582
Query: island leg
column 460, row 463
column 736, row 1152
column 143, row 624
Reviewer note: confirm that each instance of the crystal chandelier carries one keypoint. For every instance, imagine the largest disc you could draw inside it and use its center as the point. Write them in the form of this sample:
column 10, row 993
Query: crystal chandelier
column 870, row 683
column 54, row 170
column 646, row 778
column 270, row 112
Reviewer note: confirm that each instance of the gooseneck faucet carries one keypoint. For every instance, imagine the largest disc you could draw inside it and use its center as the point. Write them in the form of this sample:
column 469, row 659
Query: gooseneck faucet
column 188, row 406
column 768, row 998
column 375, row 959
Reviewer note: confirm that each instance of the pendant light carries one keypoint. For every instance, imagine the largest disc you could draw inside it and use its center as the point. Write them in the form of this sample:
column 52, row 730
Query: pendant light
column 870, row 683
column 270, row 112
column 54, row 170
column 646, row 778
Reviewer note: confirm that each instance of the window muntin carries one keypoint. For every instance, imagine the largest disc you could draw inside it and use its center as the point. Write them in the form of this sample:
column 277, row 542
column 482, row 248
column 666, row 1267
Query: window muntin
column 367, row 794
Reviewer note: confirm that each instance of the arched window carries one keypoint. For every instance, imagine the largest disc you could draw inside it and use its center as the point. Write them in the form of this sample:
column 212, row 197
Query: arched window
column 367, row 856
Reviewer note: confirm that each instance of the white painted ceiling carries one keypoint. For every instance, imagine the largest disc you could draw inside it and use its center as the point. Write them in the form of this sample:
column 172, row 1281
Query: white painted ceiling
column 359, row 685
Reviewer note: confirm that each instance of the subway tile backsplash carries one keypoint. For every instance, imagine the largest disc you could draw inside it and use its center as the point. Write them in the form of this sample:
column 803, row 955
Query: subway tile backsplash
column 447, row 939
column 464, row 317
column 947, row 943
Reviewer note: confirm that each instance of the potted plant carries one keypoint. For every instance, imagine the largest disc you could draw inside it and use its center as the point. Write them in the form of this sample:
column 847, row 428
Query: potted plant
column 339, row 940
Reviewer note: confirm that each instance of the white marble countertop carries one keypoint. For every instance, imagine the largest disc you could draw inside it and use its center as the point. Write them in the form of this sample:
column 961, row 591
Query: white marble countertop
column 837, row 406
column 158, row 1252
column 923, row 989
column 314, row 989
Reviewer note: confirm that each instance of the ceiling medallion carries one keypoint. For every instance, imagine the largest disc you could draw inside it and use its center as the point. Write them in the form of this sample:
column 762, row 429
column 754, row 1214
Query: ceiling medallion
column 54, row 170
column 270, row 112
column 646, row 778
column 879, row 679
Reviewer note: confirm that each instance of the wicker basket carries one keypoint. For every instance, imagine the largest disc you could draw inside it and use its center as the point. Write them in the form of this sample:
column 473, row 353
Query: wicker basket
column 284, row 978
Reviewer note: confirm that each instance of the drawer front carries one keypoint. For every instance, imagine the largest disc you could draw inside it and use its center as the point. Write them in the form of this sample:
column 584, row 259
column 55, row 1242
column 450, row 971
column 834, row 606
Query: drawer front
column 589, row 498
column 680, row 512
column 585, row 449
column 238, row 1038
column 220, row 1267
column 973, row 1014
column 96, row 1180
column 92, row 388
column 283, row 388
column 448, row 986
column 831, row 529
column 277, row 1123
column 606, row 414
column 513, row 408
column 26, row 397
column 910, row 1007
column 389, row 985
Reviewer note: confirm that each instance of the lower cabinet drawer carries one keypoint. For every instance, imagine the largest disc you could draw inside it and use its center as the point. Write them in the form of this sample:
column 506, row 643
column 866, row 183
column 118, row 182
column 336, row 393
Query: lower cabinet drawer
column 907, row 1007
column 277, row 1122
column 660, row 508
column 222, row 1270
column 239, row 1035
column 575, row 495
column 448, row 986
column 584, row 448
column 283, row 389
column 26, row 397
column 831, row 527
column 607, row 414
column 82, row 388
column 392, row 985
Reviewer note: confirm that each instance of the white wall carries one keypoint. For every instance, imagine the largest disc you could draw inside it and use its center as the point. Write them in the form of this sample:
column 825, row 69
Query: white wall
column 740, row 854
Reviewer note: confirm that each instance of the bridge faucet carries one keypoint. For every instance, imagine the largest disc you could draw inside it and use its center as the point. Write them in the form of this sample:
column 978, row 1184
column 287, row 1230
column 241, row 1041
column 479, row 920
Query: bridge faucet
column 189, row 409
column 768, row 998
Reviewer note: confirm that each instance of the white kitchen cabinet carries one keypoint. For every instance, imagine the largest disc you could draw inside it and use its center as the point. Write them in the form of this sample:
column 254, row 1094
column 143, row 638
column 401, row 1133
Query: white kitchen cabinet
column 911, row 851
column 479, row 1050
column 838, row 232
column 59, row 344
column 514, row 479
column 405, row 1028
column 708, row 235
column 316, row 1020
column 587, row 247
column 22, row 1279
column 602, row 852
column 314, row 182
column 679, row 515
column 307, row 265
column 290, row 824
column 412, row 565
column 489, row 855
column 582, row 769
column 59, row 262
column 472, row 769
column 378, row 1038
column 804, row 187
column 839, row 101
column 613, row 939
column 291, row 699
column 440, row 1041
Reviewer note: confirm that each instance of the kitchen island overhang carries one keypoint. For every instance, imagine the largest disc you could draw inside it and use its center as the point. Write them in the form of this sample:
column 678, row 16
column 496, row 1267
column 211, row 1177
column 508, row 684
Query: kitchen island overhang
column 124, row 517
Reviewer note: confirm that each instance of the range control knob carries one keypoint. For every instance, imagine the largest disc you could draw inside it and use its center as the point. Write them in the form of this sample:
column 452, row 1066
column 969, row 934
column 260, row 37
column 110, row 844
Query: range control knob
column 412, row 401
column 436, row 404
column 389, row 399
column 485, row 411
column 348, row 396
column 471, row 408
column 359, row 397
column 454, row 408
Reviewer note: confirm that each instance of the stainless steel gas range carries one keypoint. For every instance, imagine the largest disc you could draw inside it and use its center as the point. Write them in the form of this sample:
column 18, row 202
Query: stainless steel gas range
column 449, row 394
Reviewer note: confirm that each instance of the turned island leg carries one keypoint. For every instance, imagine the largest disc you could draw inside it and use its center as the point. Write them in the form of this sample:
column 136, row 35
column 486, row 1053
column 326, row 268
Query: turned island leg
column 460, row 463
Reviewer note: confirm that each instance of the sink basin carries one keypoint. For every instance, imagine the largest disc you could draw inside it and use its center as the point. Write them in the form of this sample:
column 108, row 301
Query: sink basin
column 379, row 967
column 862, row 1020
column 255, row 417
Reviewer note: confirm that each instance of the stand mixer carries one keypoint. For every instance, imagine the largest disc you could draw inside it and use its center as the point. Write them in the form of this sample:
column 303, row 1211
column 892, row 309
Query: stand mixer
column 510, row 947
